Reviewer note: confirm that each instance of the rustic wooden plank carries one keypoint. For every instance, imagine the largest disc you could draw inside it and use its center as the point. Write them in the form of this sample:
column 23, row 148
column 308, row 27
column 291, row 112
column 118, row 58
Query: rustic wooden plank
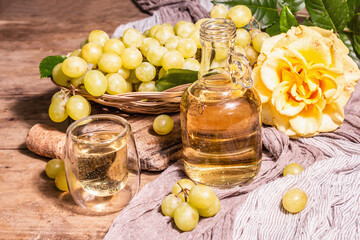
column 32, row 30
column 33, row 208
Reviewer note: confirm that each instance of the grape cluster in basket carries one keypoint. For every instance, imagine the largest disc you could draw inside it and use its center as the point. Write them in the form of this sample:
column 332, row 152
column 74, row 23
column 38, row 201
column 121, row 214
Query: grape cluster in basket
column 135, row 61
column 188, row 201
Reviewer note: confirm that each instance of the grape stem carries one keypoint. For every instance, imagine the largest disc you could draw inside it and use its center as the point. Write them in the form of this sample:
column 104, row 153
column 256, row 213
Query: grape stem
column 185, row 191
column 251, row 23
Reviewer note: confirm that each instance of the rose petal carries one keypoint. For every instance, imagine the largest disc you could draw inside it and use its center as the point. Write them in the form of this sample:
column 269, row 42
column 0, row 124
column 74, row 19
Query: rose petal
column 264, row 93
column 328, row 86
column 270, row 68
column 313, row 50
column 267, row 114
column 270, row 43
column 333, row 117
column 308, row 121
column 278, row 92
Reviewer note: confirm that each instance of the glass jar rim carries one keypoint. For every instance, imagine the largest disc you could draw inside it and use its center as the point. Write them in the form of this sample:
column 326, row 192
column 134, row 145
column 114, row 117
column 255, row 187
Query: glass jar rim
column 88, row 119
column 217, row 29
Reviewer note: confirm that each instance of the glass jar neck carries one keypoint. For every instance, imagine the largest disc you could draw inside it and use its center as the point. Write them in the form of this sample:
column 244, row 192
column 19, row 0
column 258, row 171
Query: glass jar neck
column 217, row 37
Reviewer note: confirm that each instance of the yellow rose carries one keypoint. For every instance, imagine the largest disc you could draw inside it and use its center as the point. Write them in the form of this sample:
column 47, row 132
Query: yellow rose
column 305, row 77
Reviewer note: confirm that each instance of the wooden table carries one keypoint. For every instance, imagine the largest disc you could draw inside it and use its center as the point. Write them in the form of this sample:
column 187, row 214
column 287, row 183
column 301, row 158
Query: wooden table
column 31, row 207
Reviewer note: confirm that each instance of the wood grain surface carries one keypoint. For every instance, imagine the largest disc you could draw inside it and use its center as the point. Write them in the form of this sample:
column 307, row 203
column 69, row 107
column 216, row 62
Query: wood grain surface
column 31, row 206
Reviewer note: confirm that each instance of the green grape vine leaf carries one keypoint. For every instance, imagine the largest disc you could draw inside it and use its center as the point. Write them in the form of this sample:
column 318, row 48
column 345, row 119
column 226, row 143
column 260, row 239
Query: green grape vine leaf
column 287, row 19
column 294, row 5
column 354, row 26
column 354, row 7
column 47, row 64
column 328, row 14
column 265, row 11
column 176, row 77
column 274, row 29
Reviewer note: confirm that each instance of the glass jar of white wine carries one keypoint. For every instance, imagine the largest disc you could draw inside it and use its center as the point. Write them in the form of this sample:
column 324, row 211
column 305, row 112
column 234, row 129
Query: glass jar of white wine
column 221, row 113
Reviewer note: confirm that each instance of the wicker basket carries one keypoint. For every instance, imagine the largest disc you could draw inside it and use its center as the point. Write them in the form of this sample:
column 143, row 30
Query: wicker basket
column 139, row 102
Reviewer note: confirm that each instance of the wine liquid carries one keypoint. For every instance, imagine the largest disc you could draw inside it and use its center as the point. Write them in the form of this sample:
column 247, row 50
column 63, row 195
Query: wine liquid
column 102, row 169
column 221, row 138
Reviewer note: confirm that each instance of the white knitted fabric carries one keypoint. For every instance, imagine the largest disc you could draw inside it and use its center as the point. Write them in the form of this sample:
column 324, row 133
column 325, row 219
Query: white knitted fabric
column 333, row 208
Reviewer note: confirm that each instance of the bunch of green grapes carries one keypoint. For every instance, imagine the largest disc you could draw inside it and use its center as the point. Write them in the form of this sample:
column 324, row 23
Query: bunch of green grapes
column 135, row 61
column 55, row 169
column 188, row 202
column 247, row 42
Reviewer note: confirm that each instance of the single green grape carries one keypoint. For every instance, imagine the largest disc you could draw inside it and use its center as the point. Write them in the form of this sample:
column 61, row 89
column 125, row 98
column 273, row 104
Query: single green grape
column 258, row 41
column 74, row 67
column 163, row 124
column 132, row 78
column 191, row 64
column 116, row 84
column 59, row 77
column 132, row 38
column 98, row 36
column 145, row 72
column 184, row 28
column 155, row 55
column 57, row 111
column 78, row 107
column 240, row 15
column 212, row 210
column 146, row 33
column 95, row 83
column 172, row 59
column 76, row 53
column 163, row 33
column 60, row 96
column 53, row 167
column 114, row 45
column 293, row 169
column 124, row 72
column 147, row 87
column 147, row 43
column 61, row 182
column 172, row 42
column 253, row 32
column 201, row 196
column 200, row 21
column 219, row 11
column 76, row 82
column 186, row 217
column 251, row 54
column 153, row 30
column 195, row 35
column 187, row 47
column 294, row 200
column 181, row 186
column 169, row 204
column 243, row 37
column 91, row 52
column 110, row 62
column 131, row 58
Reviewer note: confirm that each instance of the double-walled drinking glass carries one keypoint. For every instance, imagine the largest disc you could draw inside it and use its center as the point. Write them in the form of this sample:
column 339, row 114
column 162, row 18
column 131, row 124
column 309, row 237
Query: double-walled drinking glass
column 102, row 163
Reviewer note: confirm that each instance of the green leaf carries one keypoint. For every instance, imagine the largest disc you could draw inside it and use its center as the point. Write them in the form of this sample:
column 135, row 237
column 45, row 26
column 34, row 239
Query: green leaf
column 265, row 11
column 176, row 77
column 307, row 22
column 328, row 14
column 287, row 19
column 354, row 7
column 274, row 29
column 354, row 26
column 294, row 5
column 346, row 38
column 47, row 64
